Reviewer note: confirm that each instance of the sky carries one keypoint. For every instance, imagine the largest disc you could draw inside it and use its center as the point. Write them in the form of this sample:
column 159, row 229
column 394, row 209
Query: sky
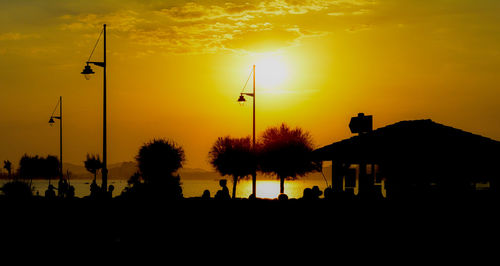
column 176, row 68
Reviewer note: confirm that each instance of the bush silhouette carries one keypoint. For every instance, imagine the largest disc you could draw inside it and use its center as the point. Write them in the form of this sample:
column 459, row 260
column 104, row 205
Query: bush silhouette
column 286, row 152
column 17, row 190
column 234, row 157
column 35, row 167
column 158, row 161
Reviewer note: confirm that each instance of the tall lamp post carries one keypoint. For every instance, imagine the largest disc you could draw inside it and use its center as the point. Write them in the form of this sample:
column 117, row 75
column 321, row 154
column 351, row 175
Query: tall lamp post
column 87, row 71
column 242, row 99
column 51, row 123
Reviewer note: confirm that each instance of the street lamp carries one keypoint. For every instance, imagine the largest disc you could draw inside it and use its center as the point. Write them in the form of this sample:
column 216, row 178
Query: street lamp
column 87, row 72
column 51, row 123
column 242, row 99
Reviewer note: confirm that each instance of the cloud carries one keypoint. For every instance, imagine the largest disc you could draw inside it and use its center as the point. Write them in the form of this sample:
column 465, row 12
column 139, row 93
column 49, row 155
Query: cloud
column 244, row 11
column 15, row 36
column 210, row 38
column 196, row 28
column 361, row 12
column 123, row 21
column 359, row 27
column 269, row 37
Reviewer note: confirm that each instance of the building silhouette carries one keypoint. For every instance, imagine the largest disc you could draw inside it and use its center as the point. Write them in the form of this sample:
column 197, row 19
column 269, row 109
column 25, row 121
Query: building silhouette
column 414, row 159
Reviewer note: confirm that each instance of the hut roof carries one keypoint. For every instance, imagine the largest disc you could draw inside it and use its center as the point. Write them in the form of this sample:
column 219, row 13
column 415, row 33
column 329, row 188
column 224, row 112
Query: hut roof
column 421, row 140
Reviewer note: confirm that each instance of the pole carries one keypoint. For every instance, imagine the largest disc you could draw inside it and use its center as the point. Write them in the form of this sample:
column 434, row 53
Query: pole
column 104, row 152
column 254, row 174
column 60, row 138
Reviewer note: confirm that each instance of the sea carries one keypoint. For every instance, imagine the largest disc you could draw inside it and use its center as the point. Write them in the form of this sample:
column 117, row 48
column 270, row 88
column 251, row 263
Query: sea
column 195, row 187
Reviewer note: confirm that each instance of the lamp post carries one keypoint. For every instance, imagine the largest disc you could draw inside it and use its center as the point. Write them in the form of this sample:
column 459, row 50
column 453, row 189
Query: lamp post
column 242, row 99
column 87, row 71
column 51, row 123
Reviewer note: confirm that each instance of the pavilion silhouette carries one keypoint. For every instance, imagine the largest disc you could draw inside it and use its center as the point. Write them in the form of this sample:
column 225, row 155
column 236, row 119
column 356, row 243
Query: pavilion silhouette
column 416, row 159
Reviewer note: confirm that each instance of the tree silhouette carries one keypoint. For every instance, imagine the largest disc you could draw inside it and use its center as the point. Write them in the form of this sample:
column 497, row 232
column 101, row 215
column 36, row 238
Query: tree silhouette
column 234, row 157
column 7, row 165
column 34, row 167
column 50, row 167
column 158, row 161
column 28, row 166
column 286, row 152
column 93, row 164
column 134, row 179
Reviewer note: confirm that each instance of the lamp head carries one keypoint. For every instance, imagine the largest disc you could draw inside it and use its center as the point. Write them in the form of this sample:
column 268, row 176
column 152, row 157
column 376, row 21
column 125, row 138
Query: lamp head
column 241, row 99
column 51, row 121
column 87, row 71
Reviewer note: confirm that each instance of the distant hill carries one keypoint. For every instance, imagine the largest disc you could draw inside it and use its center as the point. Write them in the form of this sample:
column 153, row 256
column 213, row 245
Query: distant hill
column 124, row 170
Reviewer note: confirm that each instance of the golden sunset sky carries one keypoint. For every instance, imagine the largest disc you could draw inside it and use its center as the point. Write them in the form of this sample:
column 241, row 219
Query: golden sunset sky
column 176, row 68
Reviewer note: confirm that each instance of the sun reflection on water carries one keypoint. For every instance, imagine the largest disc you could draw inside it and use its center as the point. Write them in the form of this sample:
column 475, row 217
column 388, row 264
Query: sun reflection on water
column 268, row 189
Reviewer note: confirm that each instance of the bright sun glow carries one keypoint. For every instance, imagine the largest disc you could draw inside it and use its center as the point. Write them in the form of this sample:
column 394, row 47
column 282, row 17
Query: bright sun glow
column 270, row 71
column 268, row 189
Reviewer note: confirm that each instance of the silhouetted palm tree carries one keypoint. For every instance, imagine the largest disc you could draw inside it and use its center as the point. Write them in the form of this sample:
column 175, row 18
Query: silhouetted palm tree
column 93, row 164
column 234, row 157
column 286, row 152
column 7, row 165
column 158, row 161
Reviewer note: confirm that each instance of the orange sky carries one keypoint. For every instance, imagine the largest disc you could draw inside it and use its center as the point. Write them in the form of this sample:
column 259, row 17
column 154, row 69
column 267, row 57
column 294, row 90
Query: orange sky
column 176, row 68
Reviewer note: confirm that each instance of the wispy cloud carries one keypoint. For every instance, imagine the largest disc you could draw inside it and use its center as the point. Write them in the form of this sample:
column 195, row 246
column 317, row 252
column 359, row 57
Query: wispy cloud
column 232, row 26
column 361, row 12
column 359, row 27
column 244, row 11
column 122, row 20
column 16, row 36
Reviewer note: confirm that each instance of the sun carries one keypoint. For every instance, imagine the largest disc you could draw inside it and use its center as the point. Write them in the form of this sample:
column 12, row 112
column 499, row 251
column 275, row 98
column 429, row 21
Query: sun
column 270, row 71
column 268, row 189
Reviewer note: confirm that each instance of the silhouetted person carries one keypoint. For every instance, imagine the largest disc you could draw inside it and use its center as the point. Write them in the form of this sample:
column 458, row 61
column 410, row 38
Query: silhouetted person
column 224, row 192
column 283, row 196
column 316, row 192
column 94, row 189
column 206, row 194
column 50, row 193
column 71, row 192
column 110, row 191
column 328, row 193
column 308, row 194
column 312, row 193
column 62, row 188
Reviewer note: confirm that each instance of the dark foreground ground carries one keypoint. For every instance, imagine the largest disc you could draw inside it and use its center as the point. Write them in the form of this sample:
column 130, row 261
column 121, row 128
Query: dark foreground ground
column 296, row 227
